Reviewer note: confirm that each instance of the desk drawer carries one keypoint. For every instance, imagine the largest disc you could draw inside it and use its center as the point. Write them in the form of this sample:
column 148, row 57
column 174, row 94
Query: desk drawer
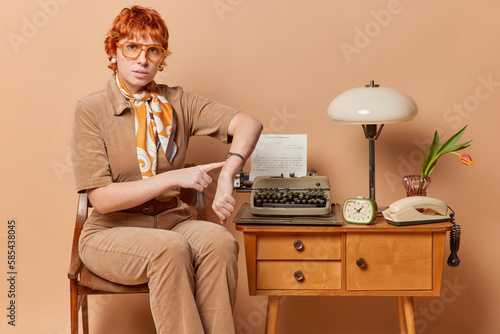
column 298, row 275
column 390, row 261
column 290, row 246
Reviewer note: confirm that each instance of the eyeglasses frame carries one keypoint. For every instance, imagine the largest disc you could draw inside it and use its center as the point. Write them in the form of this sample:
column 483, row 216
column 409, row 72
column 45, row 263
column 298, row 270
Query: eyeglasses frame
column 143, row 47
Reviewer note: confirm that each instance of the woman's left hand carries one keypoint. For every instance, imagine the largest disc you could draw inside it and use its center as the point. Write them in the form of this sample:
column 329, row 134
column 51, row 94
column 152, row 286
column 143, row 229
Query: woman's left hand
column 224, row 202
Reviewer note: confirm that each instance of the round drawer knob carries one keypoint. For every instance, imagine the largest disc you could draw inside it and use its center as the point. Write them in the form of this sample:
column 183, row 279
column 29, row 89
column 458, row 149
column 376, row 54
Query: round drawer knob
column 298, row 244
column 361, row 262
column 299, row 275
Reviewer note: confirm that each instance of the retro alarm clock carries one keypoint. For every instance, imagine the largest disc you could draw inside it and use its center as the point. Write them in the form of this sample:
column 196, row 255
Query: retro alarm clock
column 359, row 210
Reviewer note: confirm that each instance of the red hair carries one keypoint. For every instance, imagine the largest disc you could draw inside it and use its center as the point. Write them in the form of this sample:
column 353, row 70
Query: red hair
column 136, row 22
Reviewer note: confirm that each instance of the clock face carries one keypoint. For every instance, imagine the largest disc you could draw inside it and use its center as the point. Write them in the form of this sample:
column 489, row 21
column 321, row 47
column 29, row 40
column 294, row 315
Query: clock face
column 359, row 211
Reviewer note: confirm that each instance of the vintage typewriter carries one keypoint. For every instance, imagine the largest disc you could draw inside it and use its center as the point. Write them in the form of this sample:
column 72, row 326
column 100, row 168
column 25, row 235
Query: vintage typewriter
column 288, row 196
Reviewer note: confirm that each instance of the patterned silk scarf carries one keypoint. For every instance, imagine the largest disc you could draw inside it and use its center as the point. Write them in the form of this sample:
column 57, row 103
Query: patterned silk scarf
column 155, row 125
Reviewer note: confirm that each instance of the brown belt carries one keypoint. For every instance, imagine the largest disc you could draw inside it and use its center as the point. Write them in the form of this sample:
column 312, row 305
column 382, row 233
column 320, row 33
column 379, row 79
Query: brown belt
column 153, row 207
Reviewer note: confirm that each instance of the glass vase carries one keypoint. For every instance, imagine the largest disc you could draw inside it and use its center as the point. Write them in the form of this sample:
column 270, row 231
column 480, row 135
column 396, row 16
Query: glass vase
column 415, row 185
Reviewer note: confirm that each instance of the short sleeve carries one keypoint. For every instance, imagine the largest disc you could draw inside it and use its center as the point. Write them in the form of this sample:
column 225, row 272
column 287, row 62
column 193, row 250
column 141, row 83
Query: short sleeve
column 90, row 161
column 208, row 117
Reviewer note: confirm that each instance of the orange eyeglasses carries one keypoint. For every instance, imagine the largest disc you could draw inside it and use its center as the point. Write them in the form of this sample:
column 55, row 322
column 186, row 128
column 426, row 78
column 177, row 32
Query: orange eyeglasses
column 132, row 50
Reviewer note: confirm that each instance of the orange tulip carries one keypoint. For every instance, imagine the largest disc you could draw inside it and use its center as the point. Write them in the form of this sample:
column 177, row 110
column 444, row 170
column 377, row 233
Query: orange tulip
column 466, row 159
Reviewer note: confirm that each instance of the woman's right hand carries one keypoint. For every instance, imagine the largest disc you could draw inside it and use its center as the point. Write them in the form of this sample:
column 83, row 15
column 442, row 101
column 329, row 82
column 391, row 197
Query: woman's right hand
column 195, row 177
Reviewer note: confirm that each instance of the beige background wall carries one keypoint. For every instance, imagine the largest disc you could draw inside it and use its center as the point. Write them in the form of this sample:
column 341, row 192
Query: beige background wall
column 283, row 62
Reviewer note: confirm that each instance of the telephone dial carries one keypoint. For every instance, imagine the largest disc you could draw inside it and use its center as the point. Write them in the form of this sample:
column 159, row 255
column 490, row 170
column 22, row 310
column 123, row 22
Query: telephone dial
column 423, row 210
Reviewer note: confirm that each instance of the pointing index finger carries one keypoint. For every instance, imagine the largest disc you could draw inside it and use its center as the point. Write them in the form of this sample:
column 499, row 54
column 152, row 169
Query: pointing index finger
column 213, row 165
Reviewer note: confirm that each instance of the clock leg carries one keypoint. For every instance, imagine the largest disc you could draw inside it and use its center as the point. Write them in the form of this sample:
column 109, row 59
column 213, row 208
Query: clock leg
column 273, row 305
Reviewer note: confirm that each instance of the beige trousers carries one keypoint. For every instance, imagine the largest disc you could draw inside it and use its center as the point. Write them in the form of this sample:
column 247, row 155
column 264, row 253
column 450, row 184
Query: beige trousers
column 191, row 271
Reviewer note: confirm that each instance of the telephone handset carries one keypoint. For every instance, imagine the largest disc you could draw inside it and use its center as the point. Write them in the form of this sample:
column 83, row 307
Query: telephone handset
column 416, row 210
column 424, row 210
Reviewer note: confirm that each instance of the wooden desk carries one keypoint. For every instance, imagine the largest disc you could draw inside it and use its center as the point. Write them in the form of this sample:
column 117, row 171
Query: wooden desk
column 347, row 260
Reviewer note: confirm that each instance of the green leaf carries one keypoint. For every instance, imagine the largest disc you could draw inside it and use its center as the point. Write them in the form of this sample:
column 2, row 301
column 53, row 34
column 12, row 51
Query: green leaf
column 434, row 152
column 431, row 153
column 429, row 169
column 463, row 145
column 449, row 145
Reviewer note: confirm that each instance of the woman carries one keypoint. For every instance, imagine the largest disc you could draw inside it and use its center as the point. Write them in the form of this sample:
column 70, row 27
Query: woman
column 129, row 146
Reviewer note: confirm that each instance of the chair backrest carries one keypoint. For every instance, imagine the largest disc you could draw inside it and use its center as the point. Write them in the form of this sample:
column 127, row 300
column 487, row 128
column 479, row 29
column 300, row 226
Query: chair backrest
column 195, row 199
column 81, row 216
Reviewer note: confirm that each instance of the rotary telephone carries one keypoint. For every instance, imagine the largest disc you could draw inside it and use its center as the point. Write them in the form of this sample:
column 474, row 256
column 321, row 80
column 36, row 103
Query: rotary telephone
column 423, row 210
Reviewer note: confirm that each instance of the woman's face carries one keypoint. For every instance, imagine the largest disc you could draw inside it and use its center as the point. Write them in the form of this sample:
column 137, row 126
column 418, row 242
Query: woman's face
column 136, row 73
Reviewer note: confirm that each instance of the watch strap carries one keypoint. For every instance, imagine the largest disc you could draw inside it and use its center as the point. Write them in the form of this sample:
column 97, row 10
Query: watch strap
column 229, row 154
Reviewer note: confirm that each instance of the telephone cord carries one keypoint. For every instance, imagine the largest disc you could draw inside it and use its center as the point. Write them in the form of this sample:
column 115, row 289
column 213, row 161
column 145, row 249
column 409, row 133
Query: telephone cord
column 453, row 260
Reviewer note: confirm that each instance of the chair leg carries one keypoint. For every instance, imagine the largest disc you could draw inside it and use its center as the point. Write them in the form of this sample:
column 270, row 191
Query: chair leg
column 74, row 306
column 85, row 315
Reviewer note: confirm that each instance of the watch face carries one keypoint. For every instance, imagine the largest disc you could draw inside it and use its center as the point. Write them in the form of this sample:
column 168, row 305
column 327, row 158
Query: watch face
column 359, row 211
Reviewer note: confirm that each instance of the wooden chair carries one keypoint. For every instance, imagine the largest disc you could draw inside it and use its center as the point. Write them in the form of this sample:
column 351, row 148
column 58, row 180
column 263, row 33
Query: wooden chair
column 83, row 282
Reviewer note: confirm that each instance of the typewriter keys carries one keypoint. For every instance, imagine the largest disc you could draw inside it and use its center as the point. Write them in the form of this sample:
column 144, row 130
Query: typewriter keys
column 303, row 197
column 306, row 195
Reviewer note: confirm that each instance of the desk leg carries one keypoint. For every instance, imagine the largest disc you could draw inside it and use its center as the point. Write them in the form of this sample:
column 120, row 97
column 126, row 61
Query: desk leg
column 401, row 316
column 406, row 315
column 273, row 306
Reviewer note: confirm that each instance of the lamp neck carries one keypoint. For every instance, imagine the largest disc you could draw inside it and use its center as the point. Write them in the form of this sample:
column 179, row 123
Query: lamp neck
column 371, row 131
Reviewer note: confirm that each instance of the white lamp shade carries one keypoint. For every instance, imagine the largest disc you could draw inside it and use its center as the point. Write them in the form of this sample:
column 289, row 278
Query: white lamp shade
column 372, row 105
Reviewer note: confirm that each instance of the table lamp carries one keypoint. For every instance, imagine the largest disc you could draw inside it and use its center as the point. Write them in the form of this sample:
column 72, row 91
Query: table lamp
column 372, row 107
